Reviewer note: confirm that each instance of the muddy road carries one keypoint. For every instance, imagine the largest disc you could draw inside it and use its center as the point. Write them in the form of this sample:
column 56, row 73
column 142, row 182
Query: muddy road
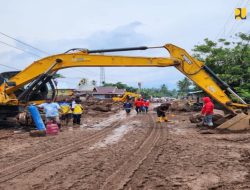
column 115, row 151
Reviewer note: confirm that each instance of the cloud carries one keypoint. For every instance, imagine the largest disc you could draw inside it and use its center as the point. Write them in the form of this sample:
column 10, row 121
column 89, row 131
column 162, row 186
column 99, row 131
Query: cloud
column 117, row 24
column 15, row 61
column 121, row 36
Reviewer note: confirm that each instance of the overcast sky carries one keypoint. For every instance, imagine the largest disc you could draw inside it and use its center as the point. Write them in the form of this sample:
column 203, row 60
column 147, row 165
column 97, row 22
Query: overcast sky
column 55, row 26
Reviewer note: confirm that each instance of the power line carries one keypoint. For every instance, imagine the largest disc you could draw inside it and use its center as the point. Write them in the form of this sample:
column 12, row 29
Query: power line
column 233, row 28
column 102, row 75
column 223, row 30
column 20, row 49
column 89, row 72
column 33, row 48
column 238, row 23
column 24, row 43
column 84, row 72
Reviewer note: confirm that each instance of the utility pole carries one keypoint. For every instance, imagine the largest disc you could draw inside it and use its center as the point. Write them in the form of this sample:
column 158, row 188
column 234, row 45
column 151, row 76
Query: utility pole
column 102, row 76
column 139, row 85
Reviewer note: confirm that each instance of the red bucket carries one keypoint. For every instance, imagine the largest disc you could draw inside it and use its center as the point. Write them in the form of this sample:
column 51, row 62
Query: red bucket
column 52, row 129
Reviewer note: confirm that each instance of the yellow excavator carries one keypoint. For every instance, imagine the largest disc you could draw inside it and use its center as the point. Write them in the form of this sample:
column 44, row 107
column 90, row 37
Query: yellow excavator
column 17, row 90
column 126, row 96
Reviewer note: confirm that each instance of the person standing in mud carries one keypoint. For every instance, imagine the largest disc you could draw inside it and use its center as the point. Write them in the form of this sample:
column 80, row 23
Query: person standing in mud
column 146, row 105
column 77, row 112
column 51, row 110
column 138, row 105
column 142, row 107
column 74, row 99
column 66, row 112
column 127, row 106
column 160, row 110
column 207, row 112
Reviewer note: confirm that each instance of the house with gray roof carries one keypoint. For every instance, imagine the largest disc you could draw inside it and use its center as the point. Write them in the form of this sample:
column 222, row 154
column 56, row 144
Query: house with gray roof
column 107, row 92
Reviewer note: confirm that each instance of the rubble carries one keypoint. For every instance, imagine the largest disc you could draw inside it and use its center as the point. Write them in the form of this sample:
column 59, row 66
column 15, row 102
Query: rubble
column 164, row 106
column 100, row 106
column 104, row 108
column 196, row 118
column 37, row 133
column 180, row 105
column 218, row 117
column 108, row 144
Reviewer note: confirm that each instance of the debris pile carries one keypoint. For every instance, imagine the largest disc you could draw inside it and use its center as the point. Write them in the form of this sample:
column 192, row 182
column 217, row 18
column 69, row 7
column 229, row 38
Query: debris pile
column 94, row 105
column 180, row 105
column 218, row 117
column 164, row 106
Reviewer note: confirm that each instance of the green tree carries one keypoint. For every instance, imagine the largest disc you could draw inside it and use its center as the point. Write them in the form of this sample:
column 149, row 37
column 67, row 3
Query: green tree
column 174, row 93
column 58, row 75
column 146, row 92
column 229, row 60
column 164, row 90
column 121, row 85
column 184, row 86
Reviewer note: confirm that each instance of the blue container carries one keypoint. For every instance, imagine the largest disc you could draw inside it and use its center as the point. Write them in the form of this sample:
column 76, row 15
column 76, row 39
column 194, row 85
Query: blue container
column 36, row 118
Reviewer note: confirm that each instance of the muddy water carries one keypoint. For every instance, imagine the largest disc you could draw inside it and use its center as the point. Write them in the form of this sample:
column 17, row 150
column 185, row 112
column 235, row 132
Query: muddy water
column 114, row 137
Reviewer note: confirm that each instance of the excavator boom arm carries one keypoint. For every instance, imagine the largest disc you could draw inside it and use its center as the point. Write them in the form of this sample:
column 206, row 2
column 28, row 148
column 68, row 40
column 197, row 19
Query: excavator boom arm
column 80, row 59
column 192, row 68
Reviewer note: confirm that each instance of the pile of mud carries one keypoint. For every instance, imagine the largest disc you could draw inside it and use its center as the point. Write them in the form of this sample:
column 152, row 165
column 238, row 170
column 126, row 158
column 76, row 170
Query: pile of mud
column 94, row 106
column 177, row 105
column 218, row 117
column 180, row 105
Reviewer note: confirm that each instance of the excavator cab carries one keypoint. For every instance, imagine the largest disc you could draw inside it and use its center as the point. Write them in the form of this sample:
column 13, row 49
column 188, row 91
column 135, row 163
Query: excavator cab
column 39, row 94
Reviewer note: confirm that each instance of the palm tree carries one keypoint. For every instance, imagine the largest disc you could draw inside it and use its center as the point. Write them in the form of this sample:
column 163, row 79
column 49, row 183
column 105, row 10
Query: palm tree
column 184, row 85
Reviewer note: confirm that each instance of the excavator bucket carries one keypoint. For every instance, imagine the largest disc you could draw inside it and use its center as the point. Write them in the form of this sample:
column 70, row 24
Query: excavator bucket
column 237, row 123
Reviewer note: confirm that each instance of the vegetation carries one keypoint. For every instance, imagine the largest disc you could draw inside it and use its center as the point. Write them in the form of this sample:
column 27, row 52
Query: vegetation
column 229, row 60
column 163, row 91
column 184, row 86
column 58, row 75
column 120, row 85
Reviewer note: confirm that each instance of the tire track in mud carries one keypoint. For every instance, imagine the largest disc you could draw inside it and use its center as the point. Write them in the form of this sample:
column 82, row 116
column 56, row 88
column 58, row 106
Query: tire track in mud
column 139, row 178
column 86, row 183
column 124, row 173
column 35, row 162
column 31, row 151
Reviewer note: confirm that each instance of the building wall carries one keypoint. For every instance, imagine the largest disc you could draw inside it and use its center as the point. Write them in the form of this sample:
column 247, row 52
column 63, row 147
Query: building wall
column 64, row 92
column 99, row 96
column 104, row 96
